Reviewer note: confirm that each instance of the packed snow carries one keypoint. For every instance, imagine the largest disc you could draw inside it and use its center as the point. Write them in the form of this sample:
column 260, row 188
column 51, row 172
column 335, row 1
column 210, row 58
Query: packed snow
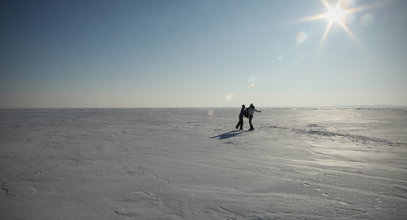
column 192, row 164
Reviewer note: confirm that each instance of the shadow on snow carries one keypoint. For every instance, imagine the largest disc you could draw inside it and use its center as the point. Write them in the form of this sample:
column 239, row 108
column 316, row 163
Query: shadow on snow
column 227, row 135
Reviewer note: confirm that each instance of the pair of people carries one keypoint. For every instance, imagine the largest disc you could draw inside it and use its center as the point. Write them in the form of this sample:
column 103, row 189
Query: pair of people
column 248, row 112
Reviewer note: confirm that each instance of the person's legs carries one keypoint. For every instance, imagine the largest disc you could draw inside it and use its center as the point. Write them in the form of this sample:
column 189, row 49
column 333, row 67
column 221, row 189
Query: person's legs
column 241, row 123
column 250, row 122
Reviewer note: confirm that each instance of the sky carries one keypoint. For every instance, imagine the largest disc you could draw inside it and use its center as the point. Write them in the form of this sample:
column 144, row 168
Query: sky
column 212, row 53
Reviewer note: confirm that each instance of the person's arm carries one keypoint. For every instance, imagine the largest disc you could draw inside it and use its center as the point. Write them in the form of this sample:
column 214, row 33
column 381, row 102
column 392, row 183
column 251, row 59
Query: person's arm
column 257, row 110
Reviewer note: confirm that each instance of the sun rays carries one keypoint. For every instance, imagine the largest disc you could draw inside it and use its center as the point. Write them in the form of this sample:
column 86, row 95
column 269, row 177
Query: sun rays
column 337, row 15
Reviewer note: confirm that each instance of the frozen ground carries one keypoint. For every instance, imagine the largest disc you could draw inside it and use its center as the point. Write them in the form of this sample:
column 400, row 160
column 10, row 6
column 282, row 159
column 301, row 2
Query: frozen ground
column 184, row 164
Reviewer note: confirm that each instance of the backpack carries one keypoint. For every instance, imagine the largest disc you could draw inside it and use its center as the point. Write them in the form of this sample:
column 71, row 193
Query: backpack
column 246, row 113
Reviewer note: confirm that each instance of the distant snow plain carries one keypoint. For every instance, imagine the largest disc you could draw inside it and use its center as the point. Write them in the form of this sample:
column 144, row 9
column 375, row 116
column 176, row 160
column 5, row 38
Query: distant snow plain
column 191, row 164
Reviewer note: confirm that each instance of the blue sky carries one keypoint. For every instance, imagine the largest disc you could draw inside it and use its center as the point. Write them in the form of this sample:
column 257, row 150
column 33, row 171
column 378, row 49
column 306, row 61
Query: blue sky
column 200, row 54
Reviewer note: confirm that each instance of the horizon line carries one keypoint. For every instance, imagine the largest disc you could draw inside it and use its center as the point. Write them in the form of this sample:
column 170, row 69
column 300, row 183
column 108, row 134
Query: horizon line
column 217, row 107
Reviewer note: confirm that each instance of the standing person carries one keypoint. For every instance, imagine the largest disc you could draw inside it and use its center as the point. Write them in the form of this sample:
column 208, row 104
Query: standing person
column 240, row 123
column 251, row 111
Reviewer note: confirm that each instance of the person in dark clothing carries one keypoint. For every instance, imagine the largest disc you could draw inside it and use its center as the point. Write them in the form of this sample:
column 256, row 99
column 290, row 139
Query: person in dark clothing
column 240, row 123
column 251, row 111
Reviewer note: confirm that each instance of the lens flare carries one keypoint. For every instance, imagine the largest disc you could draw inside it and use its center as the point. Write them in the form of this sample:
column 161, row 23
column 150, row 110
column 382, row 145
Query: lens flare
column 229, row 97
column 210, row 112
column 301, row 37
column 251, row 80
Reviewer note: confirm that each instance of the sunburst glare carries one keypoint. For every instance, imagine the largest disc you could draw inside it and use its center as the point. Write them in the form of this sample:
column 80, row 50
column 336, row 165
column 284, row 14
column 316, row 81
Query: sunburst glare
column 335, row 14
column 340, row 14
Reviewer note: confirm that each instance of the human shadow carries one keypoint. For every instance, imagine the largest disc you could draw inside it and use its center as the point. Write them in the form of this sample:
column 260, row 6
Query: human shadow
column 227, row 135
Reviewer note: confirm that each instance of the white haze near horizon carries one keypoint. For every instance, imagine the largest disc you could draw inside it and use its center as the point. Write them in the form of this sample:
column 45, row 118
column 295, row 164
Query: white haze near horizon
column 191, row 164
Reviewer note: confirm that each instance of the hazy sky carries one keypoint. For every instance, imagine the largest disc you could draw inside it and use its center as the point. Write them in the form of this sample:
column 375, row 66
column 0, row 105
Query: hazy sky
column 201, row 53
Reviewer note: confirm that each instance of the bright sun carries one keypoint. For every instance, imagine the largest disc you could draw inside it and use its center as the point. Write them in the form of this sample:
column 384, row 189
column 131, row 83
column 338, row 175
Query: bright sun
column 335, row 14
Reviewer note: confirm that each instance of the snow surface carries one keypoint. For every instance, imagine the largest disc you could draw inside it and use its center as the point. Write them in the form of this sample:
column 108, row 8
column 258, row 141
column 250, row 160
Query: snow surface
column 186, row 164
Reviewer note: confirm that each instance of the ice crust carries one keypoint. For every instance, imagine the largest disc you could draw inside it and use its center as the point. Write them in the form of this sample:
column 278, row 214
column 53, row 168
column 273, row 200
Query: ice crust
column 186, row 164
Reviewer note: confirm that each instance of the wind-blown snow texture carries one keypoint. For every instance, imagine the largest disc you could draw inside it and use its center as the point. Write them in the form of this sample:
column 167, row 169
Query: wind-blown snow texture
column 184, row 164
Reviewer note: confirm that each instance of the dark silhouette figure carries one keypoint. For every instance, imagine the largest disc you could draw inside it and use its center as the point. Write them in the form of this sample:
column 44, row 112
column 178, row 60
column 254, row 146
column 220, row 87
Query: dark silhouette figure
column 240, row 123
column 251, row 111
